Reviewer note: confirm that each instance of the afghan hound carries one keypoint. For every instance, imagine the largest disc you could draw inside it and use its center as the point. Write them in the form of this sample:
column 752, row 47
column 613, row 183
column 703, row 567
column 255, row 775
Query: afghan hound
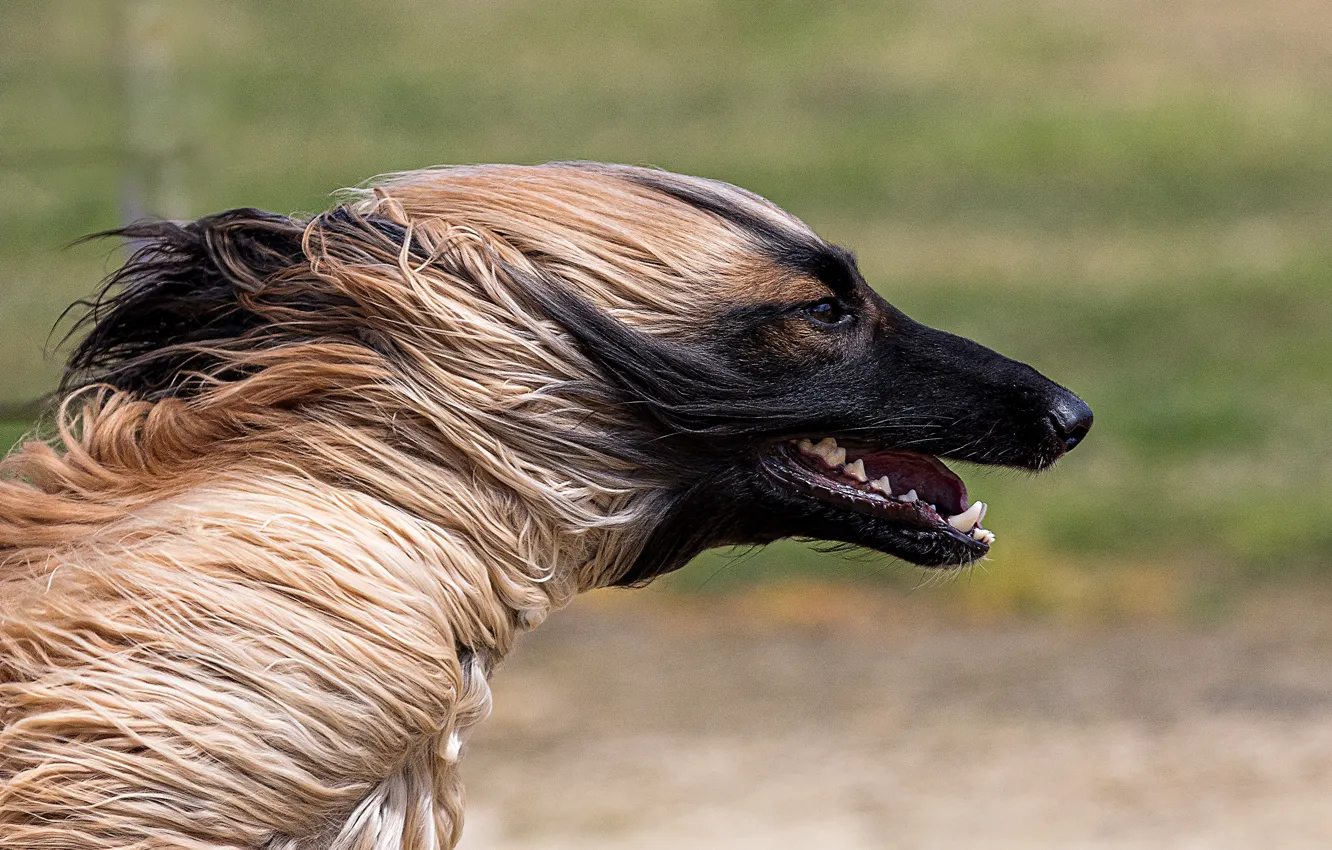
column 310, row 478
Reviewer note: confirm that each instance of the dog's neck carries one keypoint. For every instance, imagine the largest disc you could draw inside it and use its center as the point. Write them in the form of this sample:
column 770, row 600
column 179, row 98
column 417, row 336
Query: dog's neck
column 357, row 603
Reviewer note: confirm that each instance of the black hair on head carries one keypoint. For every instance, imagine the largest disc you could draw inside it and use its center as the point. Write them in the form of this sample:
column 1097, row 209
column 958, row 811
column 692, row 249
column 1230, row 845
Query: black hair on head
column 181, row 288
column 192, row 290
column 687, row 392
column 787, row 246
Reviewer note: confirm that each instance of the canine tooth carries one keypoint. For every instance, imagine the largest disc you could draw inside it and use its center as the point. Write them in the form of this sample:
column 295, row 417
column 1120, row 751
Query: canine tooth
column 967, row 520
column 883, row 485
column 909, row 497
column 856, row 469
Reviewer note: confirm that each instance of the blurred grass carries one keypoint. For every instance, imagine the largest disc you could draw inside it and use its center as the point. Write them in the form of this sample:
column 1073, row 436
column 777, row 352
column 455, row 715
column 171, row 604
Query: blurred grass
column 11, row 433
column 1132, row 197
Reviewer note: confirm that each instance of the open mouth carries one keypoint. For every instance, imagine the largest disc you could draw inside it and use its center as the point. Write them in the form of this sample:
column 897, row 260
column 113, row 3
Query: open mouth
column 907, row 489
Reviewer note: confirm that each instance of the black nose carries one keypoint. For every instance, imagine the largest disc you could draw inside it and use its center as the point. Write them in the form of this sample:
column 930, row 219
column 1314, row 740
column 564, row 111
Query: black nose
column 1071, row 417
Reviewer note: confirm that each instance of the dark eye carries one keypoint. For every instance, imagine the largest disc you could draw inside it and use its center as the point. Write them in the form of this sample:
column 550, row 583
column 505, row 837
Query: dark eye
column 827, row 311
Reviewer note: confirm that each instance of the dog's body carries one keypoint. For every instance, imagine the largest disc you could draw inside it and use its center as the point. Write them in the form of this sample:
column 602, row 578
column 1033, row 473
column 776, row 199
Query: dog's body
column 313, row 477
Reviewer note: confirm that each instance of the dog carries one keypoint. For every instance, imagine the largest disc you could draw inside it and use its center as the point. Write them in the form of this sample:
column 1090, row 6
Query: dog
column 312, row 477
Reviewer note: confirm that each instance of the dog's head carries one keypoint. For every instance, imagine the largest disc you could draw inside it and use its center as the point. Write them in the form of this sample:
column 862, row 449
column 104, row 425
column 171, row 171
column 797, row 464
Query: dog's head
column 775, row 391
column 720, row 350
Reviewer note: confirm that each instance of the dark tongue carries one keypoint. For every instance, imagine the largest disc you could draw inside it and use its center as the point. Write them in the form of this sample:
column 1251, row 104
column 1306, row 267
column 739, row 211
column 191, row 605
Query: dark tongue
column 926, row 474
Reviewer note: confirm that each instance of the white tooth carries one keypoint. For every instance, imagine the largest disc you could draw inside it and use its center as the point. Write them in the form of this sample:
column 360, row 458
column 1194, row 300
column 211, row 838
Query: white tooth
column 805, row 446
column 909, row 497
column 828, row 450
column 883, row 485
column 986, row 537
column 967, row 520
column 856, row 469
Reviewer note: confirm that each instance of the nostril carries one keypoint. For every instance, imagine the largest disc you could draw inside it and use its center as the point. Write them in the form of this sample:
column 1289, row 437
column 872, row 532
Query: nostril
column 1075, row 434
column 1072, row 419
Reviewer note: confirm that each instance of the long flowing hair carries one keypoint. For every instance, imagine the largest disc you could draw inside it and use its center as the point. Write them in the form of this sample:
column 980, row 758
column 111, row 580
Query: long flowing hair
column 310, row 477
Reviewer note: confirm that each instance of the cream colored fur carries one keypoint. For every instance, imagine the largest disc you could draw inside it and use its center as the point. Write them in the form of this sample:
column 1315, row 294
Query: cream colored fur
column 262, row 617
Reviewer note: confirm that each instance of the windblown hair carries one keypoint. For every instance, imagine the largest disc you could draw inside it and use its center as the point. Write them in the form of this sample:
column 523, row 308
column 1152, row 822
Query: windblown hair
column 312, row 477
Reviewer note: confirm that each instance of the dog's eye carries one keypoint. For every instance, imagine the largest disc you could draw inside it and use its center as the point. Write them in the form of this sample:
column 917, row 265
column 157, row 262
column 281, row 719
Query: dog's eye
column 827, row 311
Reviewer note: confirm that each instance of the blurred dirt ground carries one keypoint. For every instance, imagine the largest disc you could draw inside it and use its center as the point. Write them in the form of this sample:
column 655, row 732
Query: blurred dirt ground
column 812, row 717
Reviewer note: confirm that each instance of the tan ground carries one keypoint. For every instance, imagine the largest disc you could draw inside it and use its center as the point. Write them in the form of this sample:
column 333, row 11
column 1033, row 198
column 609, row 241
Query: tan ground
column 845, row 720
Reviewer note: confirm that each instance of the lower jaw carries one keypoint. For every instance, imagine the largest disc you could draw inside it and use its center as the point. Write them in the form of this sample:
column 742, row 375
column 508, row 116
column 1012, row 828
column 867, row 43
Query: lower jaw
column 926, row 538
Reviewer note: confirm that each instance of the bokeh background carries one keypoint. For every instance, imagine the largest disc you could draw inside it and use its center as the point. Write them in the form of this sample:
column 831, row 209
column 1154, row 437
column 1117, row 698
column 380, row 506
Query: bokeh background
column 1133, row 196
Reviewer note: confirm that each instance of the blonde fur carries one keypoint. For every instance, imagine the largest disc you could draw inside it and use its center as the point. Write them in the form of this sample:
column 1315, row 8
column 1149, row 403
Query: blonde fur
column 261, row 615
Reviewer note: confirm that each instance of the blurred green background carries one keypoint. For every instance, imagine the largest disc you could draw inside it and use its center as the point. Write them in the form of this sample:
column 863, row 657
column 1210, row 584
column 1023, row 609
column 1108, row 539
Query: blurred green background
column 1133, row 197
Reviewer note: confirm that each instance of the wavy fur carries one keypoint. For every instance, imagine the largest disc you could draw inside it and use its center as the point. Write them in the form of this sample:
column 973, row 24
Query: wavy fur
column 312, row 478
